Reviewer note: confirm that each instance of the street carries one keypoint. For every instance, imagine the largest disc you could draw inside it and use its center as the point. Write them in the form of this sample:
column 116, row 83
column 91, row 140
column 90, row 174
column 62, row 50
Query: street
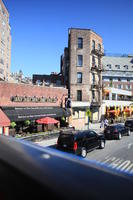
column 117, row 153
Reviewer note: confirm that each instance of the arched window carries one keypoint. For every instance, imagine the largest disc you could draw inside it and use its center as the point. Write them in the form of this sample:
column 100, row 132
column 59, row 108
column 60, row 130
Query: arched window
column 99, row 47
column 93, row 44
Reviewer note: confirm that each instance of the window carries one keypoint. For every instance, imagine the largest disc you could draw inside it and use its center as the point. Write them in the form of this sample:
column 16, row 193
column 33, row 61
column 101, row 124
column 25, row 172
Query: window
column 93, row 95
column 79, row 77
column 117, row 66
column 58, row 82
column 47, row 82
column 99, row 47
column 1, row 71
column 93, row 78
column 93, row 44
column 113, row 96
column 80, row 60
column 80, row 43
column 109, row 66
column 38, row 82
column 2, row 61
column 92, row 134
column 93, row 60
column 79, row 95
column 119, row 86
column 126, row 66
column 128, row 87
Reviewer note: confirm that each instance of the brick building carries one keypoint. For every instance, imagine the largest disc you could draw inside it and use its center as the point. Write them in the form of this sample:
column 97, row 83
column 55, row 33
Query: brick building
column 81, row 68
column 20, row 102
column 54, row 79
column 5, row 43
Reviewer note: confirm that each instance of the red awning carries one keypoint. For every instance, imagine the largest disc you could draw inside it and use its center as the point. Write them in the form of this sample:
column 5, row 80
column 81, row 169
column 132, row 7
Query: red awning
column 4, row 120
column 47, row 120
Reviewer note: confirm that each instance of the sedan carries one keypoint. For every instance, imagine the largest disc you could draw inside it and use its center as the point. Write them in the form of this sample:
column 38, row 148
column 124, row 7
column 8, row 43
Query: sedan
column 129, row 124
column 116, row 131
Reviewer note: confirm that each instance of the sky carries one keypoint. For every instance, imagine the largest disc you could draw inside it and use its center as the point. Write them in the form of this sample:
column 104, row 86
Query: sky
column 39, row 29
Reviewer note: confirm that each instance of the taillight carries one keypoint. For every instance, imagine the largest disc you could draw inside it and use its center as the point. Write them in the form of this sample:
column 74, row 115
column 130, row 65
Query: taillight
column 75, row 146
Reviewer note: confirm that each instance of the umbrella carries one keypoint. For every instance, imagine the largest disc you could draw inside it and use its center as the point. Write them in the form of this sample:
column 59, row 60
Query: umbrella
column 47, row 120
column 127, row 110
column 112, row 111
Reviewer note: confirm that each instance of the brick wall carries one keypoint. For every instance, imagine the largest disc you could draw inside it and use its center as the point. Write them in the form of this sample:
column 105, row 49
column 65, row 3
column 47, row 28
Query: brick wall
column 7, row 90
column 5, row 43
column 85, row 86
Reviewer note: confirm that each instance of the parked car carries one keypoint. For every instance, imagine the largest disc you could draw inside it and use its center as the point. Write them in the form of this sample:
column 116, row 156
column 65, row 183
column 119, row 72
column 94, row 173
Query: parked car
column 116, row 131
column 129, row 124
column 80, row 142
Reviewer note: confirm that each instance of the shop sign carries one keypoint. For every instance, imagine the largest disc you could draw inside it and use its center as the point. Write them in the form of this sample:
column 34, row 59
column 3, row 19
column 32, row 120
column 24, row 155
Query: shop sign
column 34, row 99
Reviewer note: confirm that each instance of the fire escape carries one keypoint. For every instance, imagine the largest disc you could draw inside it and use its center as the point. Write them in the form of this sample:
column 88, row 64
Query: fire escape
column 96, row 86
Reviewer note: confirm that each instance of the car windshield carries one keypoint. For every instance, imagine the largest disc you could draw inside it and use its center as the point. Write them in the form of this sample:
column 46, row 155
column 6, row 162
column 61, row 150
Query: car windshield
column 111, row 127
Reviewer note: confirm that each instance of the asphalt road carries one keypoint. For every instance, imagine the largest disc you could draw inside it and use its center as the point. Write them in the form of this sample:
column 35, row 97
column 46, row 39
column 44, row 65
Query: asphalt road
column 117, row 153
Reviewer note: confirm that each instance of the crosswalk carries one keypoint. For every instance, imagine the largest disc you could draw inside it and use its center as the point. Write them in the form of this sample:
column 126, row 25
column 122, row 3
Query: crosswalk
column 119, row 164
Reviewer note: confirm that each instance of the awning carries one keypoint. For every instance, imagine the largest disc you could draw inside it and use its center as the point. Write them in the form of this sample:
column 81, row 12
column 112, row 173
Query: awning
column 106, row 91
column 33, row 113
column 47, row 120
column 4, row 121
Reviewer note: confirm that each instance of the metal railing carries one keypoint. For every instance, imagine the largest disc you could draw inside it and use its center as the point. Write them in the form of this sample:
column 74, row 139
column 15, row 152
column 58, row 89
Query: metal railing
column 40, row 172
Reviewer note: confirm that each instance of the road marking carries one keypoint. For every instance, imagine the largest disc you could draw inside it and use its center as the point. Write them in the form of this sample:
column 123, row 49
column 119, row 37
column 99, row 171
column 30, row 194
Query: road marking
column 119, row 164
column 116, row 163
column 124, row 165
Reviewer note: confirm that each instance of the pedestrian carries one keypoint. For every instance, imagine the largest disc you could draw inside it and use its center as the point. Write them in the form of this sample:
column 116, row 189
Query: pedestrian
column 112, row 120
column 105, row 123
column 102, row 124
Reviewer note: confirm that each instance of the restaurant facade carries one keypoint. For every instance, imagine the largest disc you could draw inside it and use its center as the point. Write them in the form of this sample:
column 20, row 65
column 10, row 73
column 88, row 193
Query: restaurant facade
column 20, row 102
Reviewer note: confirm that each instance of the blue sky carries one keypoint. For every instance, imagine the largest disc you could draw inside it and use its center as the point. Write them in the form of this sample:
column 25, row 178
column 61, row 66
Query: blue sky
column 39, row 29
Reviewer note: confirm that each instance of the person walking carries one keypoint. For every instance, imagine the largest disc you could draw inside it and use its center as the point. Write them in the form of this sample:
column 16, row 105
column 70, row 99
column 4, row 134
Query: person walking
column 105, row 122
column 102, row 124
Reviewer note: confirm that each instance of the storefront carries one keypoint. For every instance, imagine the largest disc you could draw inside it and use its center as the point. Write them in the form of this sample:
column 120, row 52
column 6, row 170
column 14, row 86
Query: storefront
column 20, row 102
column 4, row 124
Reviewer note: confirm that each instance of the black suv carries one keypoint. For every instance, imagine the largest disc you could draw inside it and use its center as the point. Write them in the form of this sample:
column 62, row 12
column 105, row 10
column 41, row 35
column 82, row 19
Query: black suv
column 129, row 124
column 80, row 142
column 116, row 131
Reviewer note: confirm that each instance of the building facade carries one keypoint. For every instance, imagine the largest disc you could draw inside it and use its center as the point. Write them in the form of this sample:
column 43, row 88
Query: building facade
column 5, row 43
column 118, row 72
column 82, row 71
column 54, row 79
column 117, row 101
column 20, row 102
column 117, row 79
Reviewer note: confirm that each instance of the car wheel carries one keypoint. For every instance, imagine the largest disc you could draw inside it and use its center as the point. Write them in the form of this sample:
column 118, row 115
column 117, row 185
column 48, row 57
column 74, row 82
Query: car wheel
column 83, row 152
column 129, row 133
column 119, row 136
column 102, row 144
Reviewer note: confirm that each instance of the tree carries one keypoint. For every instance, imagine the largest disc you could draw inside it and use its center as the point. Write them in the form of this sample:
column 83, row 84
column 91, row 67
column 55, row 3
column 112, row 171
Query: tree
column 13, row 124
column 27, row 122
